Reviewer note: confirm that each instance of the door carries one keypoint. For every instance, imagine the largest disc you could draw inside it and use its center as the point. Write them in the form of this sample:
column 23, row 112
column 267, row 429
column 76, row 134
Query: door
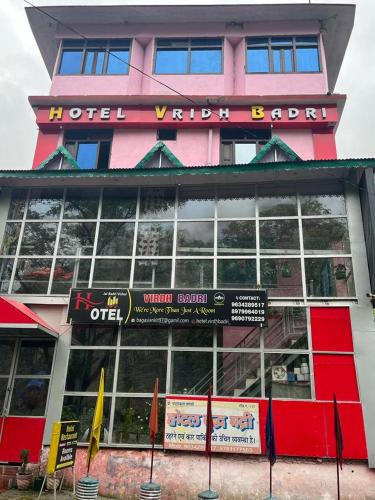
column 25, row 373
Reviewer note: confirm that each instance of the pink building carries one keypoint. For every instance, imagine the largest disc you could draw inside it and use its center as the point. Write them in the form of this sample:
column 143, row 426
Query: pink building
column 186, row 157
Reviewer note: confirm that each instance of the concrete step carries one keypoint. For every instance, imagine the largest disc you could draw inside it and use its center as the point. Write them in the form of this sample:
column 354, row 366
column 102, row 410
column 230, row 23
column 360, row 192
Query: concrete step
column 248, row 383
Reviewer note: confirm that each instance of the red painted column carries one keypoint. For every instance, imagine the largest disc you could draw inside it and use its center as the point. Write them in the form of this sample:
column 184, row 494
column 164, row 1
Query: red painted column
column 46, row 144
column 324, row 145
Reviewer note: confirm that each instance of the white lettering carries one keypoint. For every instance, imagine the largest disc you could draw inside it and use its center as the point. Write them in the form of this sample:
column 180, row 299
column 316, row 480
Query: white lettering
column 192, row 113
column 224, row 113
column 310, row 113
column 94, row 314
column 292, row 113
column 105, row 113
column 206, row 113
column 90, row 112
column 324, row 113
column 177, row 114
column 120, row 114
column 75, row 113
column 276, row 114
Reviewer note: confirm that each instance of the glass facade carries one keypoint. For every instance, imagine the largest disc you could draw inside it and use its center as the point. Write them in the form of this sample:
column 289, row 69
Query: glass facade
column 295, row 243
column 237, row 361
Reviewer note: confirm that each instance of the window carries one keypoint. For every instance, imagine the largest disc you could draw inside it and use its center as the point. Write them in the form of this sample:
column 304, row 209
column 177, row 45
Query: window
column 91, row 149
column 291, row 239
column 240, row 145
column 185, row 55
column 298, row 54
column 166, row 134
column 94, row 57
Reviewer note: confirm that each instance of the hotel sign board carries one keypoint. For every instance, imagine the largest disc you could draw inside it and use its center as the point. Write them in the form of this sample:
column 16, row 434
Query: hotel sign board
column 63, row 446
column 168, row 307
column 235, row 425
column 184, row 116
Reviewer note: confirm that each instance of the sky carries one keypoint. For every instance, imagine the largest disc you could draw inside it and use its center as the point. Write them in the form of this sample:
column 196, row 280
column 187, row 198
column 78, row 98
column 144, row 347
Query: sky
column 23, row 73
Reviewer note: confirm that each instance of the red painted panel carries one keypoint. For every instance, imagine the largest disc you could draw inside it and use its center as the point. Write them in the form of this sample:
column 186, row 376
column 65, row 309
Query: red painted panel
column 18, row 433
column 324, row 145
column 331, row 329
column 335, row 374
column 46, row 144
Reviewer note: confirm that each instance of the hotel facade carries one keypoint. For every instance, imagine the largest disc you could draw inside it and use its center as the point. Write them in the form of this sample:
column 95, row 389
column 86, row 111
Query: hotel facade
column 186, row 153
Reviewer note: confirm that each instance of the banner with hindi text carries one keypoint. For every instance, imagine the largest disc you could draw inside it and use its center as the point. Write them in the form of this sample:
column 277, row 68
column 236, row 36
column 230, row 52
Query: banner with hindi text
column 235, row 425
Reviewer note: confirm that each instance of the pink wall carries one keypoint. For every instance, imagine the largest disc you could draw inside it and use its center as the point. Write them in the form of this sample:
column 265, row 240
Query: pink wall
column 300, row 140
column 130, row 146
column 234, row 80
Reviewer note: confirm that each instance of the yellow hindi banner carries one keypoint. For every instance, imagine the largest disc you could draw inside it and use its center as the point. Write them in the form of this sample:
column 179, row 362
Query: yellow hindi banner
column 235, row 425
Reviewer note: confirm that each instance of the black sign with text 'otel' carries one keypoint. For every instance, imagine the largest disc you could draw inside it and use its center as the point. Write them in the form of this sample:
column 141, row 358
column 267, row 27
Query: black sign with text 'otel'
column 168, row 307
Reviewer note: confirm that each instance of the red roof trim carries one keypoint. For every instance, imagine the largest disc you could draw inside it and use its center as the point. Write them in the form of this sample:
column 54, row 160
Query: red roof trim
column 14, row 312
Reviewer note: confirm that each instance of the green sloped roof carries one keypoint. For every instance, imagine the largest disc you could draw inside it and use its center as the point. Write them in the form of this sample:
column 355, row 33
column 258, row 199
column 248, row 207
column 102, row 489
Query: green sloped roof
column 160, row 146
column 61, row 150
column 276, row 142
column 284, row 166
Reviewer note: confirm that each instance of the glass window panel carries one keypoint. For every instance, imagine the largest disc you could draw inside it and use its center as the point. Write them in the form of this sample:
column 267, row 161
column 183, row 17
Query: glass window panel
column 287, row 328
column 87, row 154
column 195, row 238
column 281, row 41
column 257, row 60
column 6, row 267
column 307, row 59
column 29, row 397
column 82, row 408
column 236, row 237
column 244, row 152
column 94, row 335
column 277, row 206
column 119, row 203
column 192, row 337
column 238, row 337
column 233, row 273
column 38, row 238
column 118, row 62
column 3, row 392
column 17, row 204
column 7, row 349
column 205, row 61
column 194, row 273
column 257, row 41
column 279, row 236
column 324, row 204
column 195, row 203
column 115, row 238
column 329, row 277
column 89, row 62
column 174, row 61
column 10, row 239
column 306, row 40
column 111, row 273
column 71, row 62
column 238, row 374
column 76, row 238
column 144, row 335
column 276, row 56
column 191, row 372
column 131, row 421
column 288, row 60
column 35, row 357
column 99, row 62
column 44, row 204
column 84, row 370
column 32, row 276
column 325, row 236
column 81, row 204
column 157, row 203
column 70, row 273
column 152, row 273
column 206, row 42
column 288, row 376
column 138, row 370
column 282, row 277
column 236, row 202
column 155, row 238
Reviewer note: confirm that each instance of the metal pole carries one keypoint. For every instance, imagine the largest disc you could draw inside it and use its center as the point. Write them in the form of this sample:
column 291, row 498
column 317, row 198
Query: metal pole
column 337, row 474
column 152, row 459
column 54, row 486
column 74, row 479
column 41, row 489
column 270, row 479
column 209, row 471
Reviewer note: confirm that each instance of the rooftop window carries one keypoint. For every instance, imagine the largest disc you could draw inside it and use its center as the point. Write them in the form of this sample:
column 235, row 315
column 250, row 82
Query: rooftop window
column 189, row 56
column 291, row 54
column 94, row 57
